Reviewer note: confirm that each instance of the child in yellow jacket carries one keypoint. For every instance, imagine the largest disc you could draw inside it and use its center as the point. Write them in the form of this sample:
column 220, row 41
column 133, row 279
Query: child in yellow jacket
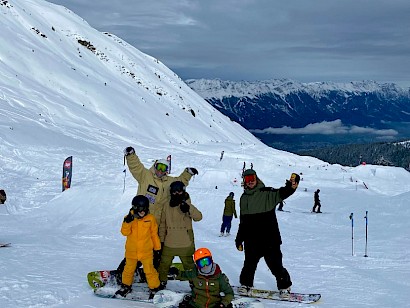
column 141, row 230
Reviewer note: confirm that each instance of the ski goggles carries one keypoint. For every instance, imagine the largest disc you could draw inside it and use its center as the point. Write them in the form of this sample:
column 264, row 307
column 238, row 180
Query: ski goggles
column 161, row 167
column 249, row 178
column 138, row 209
column 201, row 263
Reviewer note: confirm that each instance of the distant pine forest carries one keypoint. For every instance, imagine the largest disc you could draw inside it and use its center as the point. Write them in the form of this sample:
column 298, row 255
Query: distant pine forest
column 384, row 153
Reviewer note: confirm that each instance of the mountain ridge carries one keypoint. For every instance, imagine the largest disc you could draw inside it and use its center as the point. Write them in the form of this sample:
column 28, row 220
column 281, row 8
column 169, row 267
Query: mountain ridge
column 283, row 102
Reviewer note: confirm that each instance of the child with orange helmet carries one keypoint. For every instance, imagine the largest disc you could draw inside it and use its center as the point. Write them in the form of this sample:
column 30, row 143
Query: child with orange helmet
column 210, row 287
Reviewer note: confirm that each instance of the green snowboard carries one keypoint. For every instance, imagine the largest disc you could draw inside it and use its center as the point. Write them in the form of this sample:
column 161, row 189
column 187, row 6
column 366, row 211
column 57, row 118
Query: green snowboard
column 98, row 279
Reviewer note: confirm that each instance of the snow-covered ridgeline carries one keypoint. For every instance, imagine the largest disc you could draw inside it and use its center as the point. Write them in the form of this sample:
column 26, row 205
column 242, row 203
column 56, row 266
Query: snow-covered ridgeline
column 216, row 88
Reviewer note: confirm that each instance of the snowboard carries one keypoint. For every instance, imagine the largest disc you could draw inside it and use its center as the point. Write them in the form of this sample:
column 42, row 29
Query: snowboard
column 139, row 293
column 5, row 245
column 98, row 279
column 171, row 299
column 274, row 295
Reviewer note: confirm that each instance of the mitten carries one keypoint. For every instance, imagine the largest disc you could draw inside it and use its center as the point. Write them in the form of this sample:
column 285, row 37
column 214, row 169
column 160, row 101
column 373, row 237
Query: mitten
column 129, row 218
column 129, row 151
column 192, row 170
column 184, row 207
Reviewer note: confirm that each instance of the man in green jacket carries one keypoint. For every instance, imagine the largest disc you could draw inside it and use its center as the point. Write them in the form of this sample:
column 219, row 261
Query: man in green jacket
column 229, row 212
column 258, row 231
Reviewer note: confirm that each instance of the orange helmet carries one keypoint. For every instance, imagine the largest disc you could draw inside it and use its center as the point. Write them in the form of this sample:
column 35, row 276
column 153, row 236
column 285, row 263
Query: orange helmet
column 201, row 253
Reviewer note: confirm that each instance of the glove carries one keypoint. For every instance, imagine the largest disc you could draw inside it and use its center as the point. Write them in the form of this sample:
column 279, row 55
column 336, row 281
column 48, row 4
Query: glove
column 184, row 207
column 129, row 151
column 192, row 171
column 173, row 271
column 294, row 180
column 129, row 218
column 222, row 305
column 239, row 245
column 157, row 258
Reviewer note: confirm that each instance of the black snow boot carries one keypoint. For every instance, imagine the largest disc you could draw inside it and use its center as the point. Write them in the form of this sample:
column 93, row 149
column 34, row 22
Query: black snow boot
column 123, row 291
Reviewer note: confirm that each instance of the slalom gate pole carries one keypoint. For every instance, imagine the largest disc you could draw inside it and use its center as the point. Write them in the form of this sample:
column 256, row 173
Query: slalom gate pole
column 365, row 250
column 351, row 218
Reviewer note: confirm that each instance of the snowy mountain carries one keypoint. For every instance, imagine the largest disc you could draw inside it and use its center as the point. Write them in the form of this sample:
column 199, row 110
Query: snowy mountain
column 283, row 102
column 69, row 90
column 51, row 50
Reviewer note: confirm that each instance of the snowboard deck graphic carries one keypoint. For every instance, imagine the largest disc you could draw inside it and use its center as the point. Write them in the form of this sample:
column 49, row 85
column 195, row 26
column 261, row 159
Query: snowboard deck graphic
column 139, row 293
column 98, row 279
column 171, row 299
column 305, row 298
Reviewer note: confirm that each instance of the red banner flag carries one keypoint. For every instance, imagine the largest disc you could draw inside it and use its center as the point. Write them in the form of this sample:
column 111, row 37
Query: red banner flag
column 67, row 170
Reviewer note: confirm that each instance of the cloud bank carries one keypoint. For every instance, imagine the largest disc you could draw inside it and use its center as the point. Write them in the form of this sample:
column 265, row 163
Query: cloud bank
column 335, row 127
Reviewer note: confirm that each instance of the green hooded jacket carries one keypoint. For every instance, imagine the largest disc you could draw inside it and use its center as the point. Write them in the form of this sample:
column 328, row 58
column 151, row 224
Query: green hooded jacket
column 229, row 209
column 206, row 290
column 258, row 224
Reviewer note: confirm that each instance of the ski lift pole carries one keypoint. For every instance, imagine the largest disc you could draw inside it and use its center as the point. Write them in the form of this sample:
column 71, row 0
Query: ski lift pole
column 351, row 218
column 365, row 250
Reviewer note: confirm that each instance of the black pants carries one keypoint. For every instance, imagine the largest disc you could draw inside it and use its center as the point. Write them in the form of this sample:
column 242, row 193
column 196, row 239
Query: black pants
column 273, row 258
column 318, row 205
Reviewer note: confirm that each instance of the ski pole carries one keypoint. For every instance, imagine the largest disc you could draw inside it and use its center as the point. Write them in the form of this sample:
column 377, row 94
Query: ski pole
column 365, row 250
column 351, row 218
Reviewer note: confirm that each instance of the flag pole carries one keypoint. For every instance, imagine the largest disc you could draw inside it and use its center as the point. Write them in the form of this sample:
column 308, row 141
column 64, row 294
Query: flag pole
column 351, row 218
column 365, row 250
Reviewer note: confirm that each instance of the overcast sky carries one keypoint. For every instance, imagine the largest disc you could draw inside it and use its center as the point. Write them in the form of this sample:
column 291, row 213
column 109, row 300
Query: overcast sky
column 304, row 40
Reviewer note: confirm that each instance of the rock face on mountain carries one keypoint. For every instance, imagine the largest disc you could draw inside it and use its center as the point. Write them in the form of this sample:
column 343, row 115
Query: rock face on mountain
column 283, row 102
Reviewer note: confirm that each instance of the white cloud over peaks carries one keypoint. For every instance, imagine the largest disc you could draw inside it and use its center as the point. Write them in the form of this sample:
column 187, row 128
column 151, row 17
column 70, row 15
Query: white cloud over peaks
column 326, row 128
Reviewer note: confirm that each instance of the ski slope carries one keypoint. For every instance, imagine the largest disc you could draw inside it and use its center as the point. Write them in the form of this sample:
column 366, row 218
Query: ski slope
column 54, row 104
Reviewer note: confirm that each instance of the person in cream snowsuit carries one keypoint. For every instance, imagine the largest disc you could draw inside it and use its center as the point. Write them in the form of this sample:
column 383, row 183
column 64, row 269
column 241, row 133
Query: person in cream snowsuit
column 176, row 232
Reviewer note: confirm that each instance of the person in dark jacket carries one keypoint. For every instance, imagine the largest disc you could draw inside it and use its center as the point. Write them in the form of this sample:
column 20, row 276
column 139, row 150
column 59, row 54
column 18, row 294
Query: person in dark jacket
column 210, row 287
column 229, row 212
column 258, row 231
column 317, row 202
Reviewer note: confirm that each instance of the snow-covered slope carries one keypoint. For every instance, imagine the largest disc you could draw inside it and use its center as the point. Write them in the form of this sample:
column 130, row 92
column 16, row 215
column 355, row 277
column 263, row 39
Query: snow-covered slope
column 58, row 98
column 47, row 49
